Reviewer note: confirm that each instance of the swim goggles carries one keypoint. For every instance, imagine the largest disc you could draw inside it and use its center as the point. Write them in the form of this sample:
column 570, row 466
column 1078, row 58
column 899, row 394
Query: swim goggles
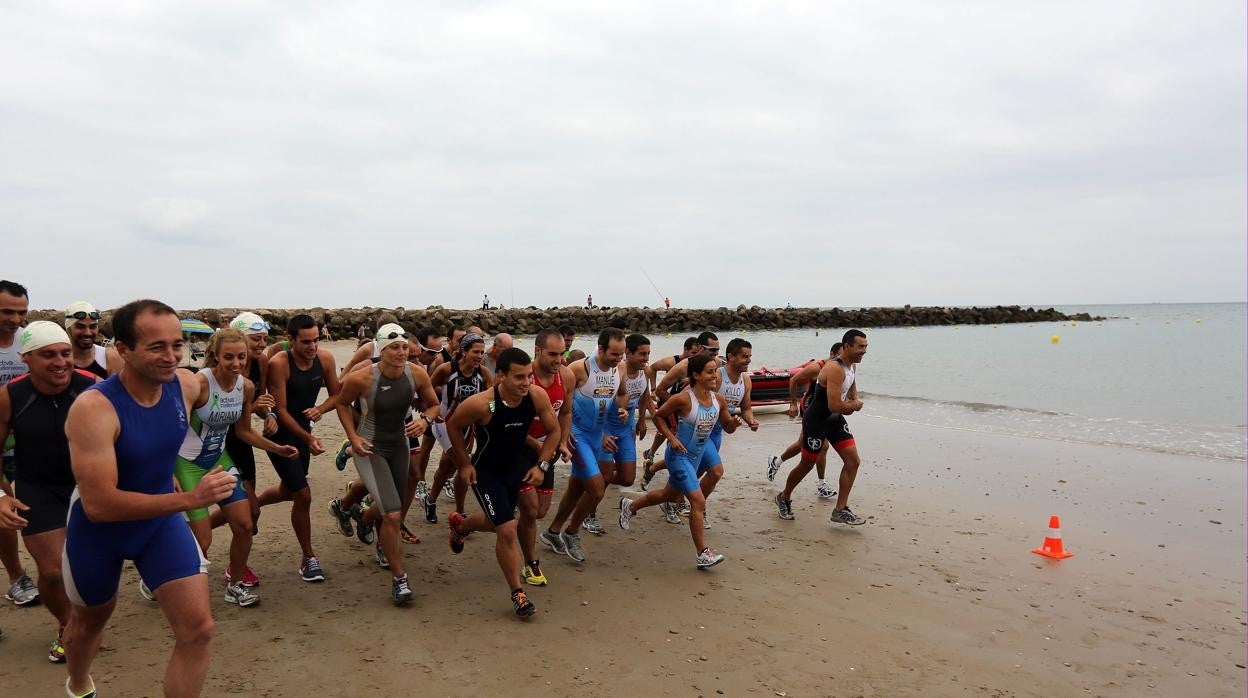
column 253, row 327
column 395, row 335
column 83, row 315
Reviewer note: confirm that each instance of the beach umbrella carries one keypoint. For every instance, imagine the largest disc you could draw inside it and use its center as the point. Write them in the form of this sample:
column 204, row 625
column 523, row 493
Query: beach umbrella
column 193, row 326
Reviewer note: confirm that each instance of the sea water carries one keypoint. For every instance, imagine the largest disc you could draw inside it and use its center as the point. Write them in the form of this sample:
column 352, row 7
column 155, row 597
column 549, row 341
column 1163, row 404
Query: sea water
column 1163, row 377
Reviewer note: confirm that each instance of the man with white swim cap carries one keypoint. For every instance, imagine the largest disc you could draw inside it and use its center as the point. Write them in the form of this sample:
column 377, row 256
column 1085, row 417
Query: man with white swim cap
column 33, row 408
column 82, row 321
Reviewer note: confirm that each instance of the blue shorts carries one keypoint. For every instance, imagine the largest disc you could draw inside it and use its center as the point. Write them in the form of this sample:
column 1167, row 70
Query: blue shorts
column 710, row 457
column 587, row 451
column 681, row 473
column 625, row 442
column 162, row 549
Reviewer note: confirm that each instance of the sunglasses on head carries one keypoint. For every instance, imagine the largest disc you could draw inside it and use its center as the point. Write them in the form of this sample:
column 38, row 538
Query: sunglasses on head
column 83, row 315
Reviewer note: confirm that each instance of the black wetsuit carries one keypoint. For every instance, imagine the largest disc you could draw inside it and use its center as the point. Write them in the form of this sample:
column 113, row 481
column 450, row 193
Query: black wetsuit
column 501, row 459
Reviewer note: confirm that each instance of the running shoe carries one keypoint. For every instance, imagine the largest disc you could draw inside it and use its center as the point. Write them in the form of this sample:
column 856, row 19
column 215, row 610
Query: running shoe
column 785, row 506
column 847, row 517
column 824, row 490
column 647, row 458
column 773, row 467
column 520, row 601
column 340, row 460
column 708, row 558
column 533, row 574
column 407, row 536
column 572, row 543
column 626, row 514
column 342, row 517
column 669, row 512
column 241, row 595
column 449, row 490
column 431, row 509
column 422, row 490
column 363, row 532
column 249, row 580
column 145, row 592
column 401, row 591
column 554, row 541
column 593, row 525
column 56, row 651
column 23, row 592
column 310, row 570
column 382, row 562
column 457, row 538
column 684, row 508
column 89, row 693
column 646, row 477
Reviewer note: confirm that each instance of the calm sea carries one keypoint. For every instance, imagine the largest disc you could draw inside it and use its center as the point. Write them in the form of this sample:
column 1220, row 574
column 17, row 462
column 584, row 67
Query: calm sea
column 1164, row 377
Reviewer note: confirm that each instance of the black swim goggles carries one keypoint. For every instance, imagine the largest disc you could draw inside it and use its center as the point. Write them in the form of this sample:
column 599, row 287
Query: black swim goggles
column 83, row 315
column 395, row 335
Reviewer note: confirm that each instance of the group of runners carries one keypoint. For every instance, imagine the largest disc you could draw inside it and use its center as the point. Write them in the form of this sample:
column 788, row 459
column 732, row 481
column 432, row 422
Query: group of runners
column 116, row 454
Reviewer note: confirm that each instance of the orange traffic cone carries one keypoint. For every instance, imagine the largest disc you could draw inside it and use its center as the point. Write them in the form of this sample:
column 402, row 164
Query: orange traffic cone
column 1053, row 542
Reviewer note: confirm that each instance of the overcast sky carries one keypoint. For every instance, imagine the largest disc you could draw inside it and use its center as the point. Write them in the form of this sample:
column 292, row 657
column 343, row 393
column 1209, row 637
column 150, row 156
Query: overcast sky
column 822, row 153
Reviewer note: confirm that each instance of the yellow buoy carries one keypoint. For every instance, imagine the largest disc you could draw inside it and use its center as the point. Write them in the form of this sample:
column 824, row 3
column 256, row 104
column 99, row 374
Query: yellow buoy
column 1198, row 320
column 1055, row 338
column 1074, row 324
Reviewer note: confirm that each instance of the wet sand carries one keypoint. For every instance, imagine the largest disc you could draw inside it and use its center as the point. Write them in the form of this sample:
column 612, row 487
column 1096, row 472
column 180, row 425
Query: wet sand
column 937, row 594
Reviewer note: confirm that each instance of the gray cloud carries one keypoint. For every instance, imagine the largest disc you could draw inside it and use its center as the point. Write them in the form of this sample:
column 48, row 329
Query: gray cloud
column 814, row 153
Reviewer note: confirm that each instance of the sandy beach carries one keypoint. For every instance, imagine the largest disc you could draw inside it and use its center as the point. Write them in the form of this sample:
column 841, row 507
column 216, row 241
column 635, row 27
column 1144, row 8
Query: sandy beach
column 938, row 594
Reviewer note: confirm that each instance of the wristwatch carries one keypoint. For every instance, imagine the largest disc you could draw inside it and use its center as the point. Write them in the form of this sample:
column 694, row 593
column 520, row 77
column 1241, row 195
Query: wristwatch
column 426, row 418
column 545, row 466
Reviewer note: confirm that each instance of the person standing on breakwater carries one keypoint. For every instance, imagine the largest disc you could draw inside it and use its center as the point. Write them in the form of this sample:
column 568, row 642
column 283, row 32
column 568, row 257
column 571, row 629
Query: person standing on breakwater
column 824, row 425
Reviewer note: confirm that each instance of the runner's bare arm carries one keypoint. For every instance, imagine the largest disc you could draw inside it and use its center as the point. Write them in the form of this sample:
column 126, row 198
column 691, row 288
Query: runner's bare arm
column 362, row 354
column 673, row 376
column 92, row 428
column 475, row 410
column 244, row 432
column 747, row 406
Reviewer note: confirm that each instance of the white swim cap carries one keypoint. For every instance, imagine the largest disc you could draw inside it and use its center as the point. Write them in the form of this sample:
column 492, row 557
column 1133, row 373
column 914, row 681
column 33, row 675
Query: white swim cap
column 249, row 323
column 83, row 310
column 388, row 334
column 40, row 334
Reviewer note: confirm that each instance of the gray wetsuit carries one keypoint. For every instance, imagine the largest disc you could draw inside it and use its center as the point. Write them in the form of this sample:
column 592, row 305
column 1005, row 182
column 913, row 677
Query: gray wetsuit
column 384, row 407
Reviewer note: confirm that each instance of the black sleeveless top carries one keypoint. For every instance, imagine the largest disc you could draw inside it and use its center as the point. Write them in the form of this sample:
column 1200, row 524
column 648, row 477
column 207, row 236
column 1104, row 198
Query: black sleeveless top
column 303, row 387
column 41, row 449
column 500, row 443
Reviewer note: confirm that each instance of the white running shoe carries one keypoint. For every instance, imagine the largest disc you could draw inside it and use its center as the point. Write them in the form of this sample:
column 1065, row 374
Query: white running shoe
column 238, row 594
column 591, row 524
column 669, row 513
column 773, row 467
column 626, row 514
column 824, row 490
column 708, row 558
